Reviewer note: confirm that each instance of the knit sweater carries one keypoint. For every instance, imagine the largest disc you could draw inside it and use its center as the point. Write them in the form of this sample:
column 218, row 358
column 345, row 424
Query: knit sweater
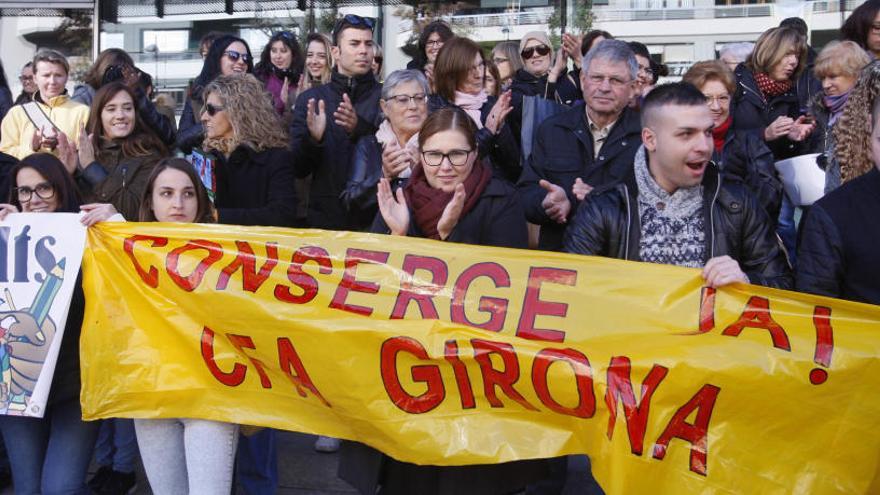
column 672, row 225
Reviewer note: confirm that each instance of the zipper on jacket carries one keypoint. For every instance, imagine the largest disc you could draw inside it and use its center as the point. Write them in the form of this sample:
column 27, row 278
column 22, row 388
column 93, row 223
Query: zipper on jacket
column 712, row 217
column 124, row 173
column 628, row 221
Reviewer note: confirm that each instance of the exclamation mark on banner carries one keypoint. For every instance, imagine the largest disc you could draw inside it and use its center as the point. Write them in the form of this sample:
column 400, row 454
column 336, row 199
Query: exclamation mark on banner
column 824, row 344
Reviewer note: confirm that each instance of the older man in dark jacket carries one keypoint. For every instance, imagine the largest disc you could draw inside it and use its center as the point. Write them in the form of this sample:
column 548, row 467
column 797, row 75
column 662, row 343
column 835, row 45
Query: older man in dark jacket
column 676, row 208
column 594, row 142
column 329, row 119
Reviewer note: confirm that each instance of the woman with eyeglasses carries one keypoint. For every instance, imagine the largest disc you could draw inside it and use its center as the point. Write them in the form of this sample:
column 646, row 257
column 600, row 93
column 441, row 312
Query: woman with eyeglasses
column 319, row 60
column 52, row 453
column 863, row 27
column 280, row 69
column 228, row 55
column 540, row 69
column 28, row 84
column 738, row 153
column 392, row 152
column 460, row 73
column 183, row 455
column 506, row 57
column 431, row 40
column 451, row 196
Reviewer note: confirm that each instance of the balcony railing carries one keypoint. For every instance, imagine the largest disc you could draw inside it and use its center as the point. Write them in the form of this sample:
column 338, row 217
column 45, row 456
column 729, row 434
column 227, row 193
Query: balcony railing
column 525, row 18
column 824, row 6
column 666, row 11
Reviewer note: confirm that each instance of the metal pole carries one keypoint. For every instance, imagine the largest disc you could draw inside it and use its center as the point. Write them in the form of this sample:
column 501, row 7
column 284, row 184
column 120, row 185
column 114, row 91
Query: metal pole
column 96, row 30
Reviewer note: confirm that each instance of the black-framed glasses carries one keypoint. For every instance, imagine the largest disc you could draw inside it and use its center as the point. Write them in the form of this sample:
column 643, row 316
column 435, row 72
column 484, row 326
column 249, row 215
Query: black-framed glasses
column 418, row 99
column 434, row 43
column 25, row 78
column 44, row 190
column 529, row 52
column 234, row 56
column 212, row 109
column 457, row 158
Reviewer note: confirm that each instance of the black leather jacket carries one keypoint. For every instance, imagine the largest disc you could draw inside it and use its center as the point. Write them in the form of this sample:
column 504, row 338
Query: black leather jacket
column 607, row 224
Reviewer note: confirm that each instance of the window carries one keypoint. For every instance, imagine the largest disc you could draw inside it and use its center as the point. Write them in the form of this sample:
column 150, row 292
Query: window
column 167, row 41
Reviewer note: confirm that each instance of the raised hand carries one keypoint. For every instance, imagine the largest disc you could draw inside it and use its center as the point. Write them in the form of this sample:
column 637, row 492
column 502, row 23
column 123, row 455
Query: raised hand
column 559, row 66
column 345, row 116
column 86, row 151
column 67, row 153
column 395, row 160
column 393, row 210
column 6, row 209
column 572, row 46
column 499, row 113
column 285, row 92
column 452, row 212
column 580, row 189
column 316, row 121
column 556, row 204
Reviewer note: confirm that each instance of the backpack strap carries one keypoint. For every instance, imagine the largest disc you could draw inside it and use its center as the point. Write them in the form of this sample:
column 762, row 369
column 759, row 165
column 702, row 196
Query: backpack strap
column 37, row 116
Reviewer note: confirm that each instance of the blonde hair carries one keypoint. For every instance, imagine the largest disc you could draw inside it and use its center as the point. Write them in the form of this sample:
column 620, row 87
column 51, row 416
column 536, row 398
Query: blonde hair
column 328, row 58
column 852, row 132
column 773, row 45
column 249, row 109
column 842, row 58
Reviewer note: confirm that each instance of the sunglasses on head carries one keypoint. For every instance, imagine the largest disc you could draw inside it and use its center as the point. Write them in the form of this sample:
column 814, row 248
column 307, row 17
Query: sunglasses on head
column 352, row 20
column 286, row 35
column 529, row 52
column 212, row 109
column 234, row 56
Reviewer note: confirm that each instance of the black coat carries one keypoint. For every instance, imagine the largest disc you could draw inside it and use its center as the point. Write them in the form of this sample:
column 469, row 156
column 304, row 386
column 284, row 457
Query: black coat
column 562, row 152
column 753, row 113
column 501, row 149
column 359, row 195
column 745, row 156
column 328, row 161
column 256, row 188
column 607, row 224
column 496, row 220
column 7, row 163
column 568, row 87
column 837, row 254
column 190, row 132
column 6, row 101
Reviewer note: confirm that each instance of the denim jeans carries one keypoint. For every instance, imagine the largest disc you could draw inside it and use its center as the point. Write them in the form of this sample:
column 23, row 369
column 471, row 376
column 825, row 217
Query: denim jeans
column 194, row 453
column 257, row 469
column 787, row 229
column 117, row 446
column 50, row 455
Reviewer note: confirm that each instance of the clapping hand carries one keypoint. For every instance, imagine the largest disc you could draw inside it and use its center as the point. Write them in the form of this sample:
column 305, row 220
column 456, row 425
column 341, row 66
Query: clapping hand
column 499, row 112
column 393, row 209
column 556, row 204
column 316, row 121
column 452, row 212
column 345, row 115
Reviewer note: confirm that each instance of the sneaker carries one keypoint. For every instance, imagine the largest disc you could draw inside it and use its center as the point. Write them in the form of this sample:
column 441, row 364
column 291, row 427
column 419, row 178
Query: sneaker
column 100, row 477
column 328, row 445
column 118, row 483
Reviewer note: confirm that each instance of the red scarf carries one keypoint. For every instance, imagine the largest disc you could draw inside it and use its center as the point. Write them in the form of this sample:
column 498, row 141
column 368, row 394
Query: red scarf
column 770, row 88
column 720, row 132
column 428, row 203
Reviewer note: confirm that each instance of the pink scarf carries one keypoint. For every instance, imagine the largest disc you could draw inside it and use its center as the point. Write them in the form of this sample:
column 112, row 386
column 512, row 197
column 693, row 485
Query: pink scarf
column 472, row 104
column 386, row 137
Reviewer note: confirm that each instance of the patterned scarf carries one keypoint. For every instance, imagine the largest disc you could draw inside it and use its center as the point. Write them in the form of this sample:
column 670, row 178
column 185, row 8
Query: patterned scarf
column 770, row 88
column 720, row 132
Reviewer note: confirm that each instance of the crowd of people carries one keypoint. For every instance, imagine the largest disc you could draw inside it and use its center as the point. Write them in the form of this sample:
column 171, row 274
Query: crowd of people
column 575, row 149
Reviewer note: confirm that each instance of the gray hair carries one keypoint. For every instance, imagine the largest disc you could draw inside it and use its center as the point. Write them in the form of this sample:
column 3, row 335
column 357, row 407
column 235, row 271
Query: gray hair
column 616, row 51
column 739, row 51
column 403, row 76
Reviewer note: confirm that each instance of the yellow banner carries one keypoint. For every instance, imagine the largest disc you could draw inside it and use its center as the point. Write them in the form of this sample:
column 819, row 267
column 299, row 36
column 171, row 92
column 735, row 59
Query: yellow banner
column 448, row 354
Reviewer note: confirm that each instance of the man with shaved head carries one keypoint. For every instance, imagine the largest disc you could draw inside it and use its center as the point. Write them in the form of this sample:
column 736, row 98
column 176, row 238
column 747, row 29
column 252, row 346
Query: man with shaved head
column 676, row 207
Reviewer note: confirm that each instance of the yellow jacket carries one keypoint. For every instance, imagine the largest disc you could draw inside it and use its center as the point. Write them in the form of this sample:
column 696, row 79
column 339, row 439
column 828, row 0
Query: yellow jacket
column 17, row 131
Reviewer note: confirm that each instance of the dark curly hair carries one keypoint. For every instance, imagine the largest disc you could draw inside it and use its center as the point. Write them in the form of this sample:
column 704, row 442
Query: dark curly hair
column 265, row 67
